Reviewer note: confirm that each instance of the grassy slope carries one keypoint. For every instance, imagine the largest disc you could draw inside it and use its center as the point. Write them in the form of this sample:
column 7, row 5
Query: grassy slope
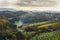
column 47, row 36
column 45, row 24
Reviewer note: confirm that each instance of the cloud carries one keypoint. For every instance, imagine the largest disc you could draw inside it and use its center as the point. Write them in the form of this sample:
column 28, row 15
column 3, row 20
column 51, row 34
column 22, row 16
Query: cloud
column 40, row 3
column 12, row 1
column 7, row 2
column 34, row 3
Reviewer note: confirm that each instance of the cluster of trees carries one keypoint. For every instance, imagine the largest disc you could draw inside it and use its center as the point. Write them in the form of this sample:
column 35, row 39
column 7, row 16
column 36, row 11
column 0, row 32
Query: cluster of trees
column 12, row 14
column 40, row 17
column 8, row 30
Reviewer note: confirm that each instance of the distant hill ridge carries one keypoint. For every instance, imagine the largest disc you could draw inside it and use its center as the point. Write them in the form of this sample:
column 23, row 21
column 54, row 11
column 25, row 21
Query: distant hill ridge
column 7, row 9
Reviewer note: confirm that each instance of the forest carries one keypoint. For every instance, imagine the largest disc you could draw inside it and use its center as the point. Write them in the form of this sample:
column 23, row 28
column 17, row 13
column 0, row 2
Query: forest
column 29, row 25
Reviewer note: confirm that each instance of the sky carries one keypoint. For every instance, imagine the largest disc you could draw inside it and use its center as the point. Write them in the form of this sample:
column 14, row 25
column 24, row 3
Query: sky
column 40, row 5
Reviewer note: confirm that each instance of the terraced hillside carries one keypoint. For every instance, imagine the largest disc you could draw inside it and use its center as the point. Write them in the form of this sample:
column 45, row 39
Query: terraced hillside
column 44, row 28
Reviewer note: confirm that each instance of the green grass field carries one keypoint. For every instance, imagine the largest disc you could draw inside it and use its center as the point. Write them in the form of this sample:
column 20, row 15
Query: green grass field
column 47, row 36
column 37, row 35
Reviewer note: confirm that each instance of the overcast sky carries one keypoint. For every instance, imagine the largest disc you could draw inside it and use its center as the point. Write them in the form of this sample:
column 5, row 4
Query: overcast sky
column 31, row 4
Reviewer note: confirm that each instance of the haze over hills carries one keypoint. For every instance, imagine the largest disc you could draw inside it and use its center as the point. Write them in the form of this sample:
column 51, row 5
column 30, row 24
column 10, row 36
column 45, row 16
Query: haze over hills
column 7, row 9
column 26, row 16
